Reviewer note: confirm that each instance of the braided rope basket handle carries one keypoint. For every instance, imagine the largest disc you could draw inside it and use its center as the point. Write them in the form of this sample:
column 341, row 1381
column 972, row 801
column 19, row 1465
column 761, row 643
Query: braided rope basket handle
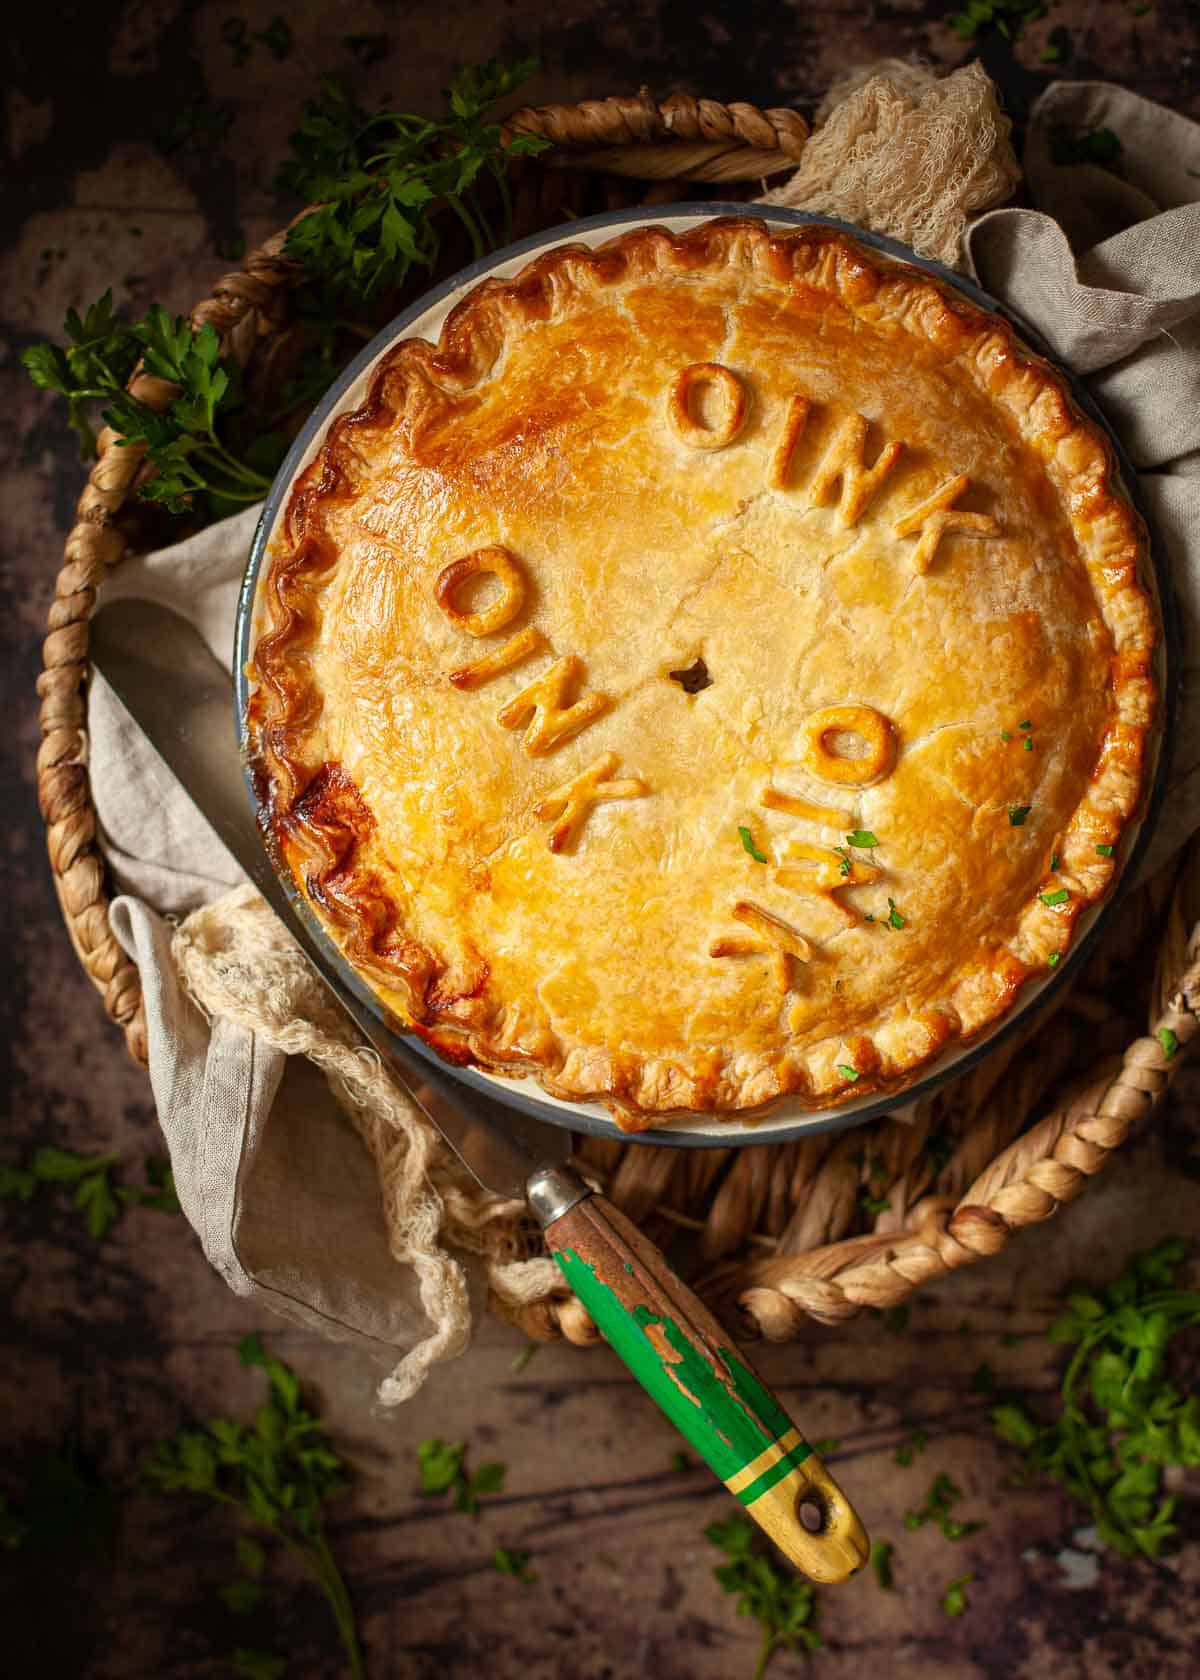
column 1028, row 1182
column 677, row 138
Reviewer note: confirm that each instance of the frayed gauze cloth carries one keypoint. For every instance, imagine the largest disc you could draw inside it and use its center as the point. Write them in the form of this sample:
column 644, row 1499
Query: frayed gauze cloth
column 315, row 1187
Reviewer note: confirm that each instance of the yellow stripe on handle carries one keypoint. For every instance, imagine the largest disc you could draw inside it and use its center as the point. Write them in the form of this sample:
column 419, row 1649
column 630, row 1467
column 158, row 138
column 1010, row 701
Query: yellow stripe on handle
column 765, row 1461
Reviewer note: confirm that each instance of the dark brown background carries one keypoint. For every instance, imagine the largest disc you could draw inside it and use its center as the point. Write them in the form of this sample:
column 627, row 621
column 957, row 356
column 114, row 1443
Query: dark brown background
column 114, row 1344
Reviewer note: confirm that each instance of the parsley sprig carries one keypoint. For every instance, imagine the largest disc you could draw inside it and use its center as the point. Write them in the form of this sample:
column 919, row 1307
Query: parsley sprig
column 781, row 1603
column 1122, row 1418
column 278, row 1473
column 1007, row 16
column 375, row 179
column 954, row 1599
column 89, row 1178
column 185, row 445
column 508, row 1561
column 443, row 1469
column 943, row 1495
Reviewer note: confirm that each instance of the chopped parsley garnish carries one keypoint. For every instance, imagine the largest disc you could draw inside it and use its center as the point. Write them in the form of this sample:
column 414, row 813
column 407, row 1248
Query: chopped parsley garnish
column 1004, row 735
column 513, row 1563
column 942, row 1496
column 1052, row 960
column 848, row 1072
column 1029, row 743
column 861, row 837
column 1017, row 814
column 908, row 1450
column 1169, row 1042
column 881, row 1562
column 1095, row 145
column 873, row 1205
column 1105, row 851
column 954, row 1599
column 747, row 839
column 847, row 863
column 895, row 919
column 1025, row 723
column 1055, row 860
column 1053, row 898
column 442, row 1470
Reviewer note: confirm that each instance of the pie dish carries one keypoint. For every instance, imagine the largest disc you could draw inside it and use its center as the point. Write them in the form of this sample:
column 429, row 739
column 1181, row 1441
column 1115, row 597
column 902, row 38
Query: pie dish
column 719, row 670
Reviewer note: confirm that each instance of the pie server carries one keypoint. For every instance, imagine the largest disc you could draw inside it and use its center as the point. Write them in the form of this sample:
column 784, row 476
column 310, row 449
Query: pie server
column 180, row 696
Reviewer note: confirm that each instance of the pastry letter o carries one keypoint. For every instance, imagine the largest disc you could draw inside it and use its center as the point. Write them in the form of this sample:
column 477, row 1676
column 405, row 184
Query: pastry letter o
column 877, row 731
column 493, row 561
column 732, row 397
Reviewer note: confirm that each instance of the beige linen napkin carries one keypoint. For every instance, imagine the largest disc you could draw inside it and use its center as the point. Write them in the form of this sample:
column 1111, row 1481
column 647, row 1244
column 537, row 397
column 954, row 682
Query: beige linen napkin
column 270, row 1172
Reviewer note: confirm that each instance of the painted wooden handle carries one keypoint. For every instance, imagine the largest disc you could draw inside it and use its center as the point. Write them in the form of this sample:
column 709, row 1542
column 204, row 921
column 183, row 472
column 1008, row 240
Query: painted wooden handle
column 682, row 1358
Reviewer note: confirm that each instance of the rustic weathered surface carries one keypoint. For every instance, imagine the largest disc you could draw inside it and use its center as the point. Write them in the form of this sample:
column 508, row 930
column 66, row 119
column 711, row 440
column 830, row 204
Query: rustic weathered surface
column 117, row 1343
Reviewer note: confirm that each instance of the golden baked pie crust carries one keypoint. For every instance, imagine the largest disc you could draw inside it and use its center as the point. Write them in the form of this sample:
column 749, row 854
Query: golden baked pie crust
column 907, row 566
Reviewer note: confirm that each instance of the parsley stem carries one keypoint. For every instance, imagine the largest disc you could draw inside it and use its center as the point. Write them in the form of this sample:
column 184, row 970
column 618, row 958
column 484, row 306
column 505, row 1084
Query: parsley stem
column 765, row 1652
column 319, row 1559
column 500, row 175
column 230, row 464
column 469, row 222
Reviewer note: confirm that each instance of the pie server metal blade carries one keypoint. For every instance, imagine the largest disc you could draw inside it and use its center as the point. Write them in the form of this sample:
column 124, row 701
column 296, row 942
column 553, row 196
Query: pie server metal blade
column 159, row 667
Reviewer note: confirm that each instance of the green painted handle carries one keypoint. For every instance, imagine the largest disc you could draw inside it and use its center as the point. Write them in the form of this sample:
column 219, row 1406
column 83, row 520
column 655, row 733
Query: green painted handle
column 682, row 1358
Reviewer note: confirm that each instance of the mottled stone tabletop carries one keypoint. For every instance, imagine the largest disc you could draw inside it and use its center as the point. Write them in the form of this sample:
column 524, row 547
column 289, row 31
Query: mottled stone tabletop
column 114, row 1344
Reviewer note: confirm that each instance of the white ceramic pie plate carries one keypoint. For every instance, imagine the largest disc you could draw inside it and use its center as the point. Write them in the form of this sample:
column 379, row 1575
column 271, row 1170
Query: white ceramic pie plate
column 785, row 1120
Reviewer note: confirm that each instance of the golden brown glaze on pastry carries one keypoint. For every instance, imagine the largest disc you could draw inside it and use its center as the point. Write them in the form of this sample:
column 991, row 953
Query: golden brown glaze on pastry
column 907, row 565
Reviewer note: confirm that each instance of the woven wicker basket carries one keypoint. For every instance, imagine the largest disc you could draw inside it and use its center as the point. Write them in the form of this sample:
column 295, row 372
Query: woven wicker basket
column 823, row 1227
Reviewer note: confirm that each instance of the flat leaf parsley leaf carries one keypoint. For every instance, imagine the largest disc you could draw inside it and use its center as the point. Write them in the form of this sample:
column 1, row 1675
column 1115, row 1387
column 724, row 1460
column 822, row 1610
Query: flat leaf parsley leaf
column 89, row 1179
column 781, row 1603
column 1122, row 1419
